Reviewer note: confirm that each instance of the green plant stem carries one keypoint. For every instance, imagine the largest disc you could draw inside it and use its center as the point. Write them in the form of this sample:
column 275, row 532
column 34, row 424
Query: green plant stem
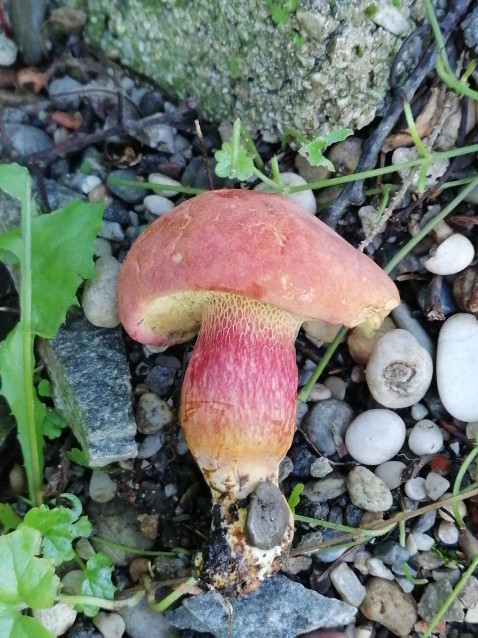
column 437, row 34
column 385, row 170
column 236, row 142
column 412, row 579
column 35, row 441
column 175, row 595
column 451, row 597
column 457, row 484
column 267, row 180
column 94, row 601
column 275, row 172
column 354, row 531
column 456, row 85
column 136, row 550
column 306, row 390
column 251, row 148
column 412, row 129
column 411, row 243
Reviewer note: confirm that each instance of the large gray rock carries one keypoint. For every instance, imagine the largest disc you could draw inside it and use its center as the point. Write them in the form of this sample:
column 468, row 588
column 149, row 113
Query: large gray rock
column 279, row 608
column 91, row 386
column 314, row 66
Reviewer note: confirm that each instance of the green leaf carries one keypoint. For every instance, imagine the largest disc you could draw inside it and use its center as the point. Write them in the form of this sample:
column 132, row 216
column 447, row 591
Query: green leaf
column 13, row 625
column 280, row 10
column 78, row 456
column 53, row 423
column 15, row 377
column 97, row 581
column 9, row 519
column 59, row 527
column 224, row 158
column 62, row 257
column 313, row 150
column 294, row 498
column 44, row 388
column 27, row 581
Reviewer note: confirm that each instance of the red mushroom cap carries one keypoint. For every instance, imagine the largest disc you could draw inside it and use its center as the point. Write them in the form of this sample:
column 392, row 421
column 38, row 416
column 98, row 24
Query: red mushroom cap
column 251, row 244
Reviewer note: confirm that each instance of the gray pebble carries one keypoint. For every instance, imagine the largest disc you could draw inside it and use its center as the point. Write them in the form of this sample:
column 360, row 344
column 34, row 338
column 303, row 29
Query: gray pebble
column 432, row 599
column 391, row 553
column 24, row 139
column 325, row 489
column 347, row 584
column 65, row 85
column 150, row 446
column 152, row 413
column 425, row 522
column 285, row 468
column 111, row 231
column 368, row 491
column 8, row 51
column 325, row 420
column 157, row 205
column 116, row 212
column 129, row 194
column 99, row 294
column 162, row 376
column 268, row 517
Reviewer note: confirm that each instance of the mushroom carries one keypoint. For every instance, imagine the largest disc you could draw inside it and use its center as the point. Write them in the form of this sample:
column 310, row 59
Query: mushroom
column 245, row 270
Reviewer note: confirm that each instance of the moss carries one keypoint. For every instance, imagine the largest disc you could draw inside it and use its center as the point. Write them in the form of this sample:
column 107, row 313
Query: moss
column 371, row 11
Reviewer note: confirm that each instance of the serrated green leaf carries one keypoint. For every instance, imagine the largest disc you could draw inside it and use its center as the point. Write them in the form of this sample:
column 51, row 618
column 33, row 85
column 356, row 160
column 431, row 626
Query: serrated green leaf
column 313, row 150
column 9, row 519
column 78, row 456
column 14, row 376
column 27, row 581
column 59, row 527
column 53, row 424
column 97, row 581
column 294, row 498
column 337, row 135
column 244, row 164
column 14, row 625
column 62, row 257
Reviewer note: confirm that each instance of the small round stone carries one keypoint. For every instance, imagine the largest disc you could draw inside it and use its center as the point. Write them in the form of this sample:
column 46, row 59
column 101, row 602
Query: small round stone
column 327, row 488
column 456, row 369
column 158, row 205
column 99, row 294
column 324, row 422
column 451, row 256
column 368, row 491
column 419, row 411
column 391, row 473
column 436, row 485
column 89, row 183
column 415, row 489
column 110, row 625
column 159, row 178
column 57, row 619
column 337, row 387
column 425, row 437
column 375, row 436
column 305, row 198
column 448, row 533
column 388, row 605
column 446, row 512
column 8, row 51
column 128, row 193
column 111, row 231
column 102, row 487
column 268, row 517
column 152, row 413
column 399, row 370
column 423, row 542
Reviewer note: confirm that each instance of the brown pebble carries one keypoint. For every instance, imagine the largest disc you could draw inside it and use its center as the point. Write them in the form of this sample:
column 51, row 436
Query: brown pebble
column 387, row 604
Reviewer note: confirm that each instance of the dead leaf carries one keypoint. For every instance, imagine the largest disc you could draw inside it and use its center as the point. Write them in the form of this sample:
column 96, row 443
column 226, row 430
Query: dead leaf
column 70, row 122
column 31, row 79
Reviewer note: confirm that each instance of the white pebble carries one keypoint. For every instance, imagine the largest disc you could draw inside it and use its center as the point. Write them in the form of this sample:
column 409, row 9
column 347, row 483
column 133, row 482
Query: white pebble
column 425, row 438
column 471, row 430
column 454, row 254
column 390, row 19
column 57, row 619
column 158, row 205
column 364, row 631
column 102, row 487
column 337, row 387
column 110, row 625
column 422, row 541
column 319, row 392
column 321, row 467
column 152, row 413
column 375, row 436
column 89, row 183
column 102, row 247
column 347, row 585
column 377, row 568
column 8, row 51
column 419, row 411
column 305, row 198
column 471, row 615
column 99, row 294
column 448, row 533
column 159, row 178
column 391, row 473
column 436, row 485
column 399, row 370
column 415, row 489
column 457, row 372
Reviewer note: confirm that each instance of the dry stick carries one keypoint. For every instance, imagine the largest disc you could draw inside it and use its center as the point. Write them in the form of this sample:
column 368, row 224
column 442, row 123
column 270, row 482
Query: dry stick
column 207, row 168
column 352, row 193
column 397, row 198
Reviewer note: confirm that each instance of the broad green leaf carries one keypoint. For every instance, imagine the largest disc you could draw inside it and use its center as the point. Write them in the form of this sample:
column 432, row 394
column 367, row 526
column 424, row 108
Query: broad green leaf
column 15, row 180
column 14, row 379
column 14, row 625
column 97, row 581
column 9, row 519
column 62, row 257
column 53, row 424
column 244, row 165
column 27, row 581
column 59, row 527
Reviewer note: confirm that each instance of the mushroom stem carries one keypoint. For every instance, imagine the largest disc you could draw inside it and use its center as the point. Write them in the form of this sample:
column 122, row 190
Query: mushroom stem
column 238, row 414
